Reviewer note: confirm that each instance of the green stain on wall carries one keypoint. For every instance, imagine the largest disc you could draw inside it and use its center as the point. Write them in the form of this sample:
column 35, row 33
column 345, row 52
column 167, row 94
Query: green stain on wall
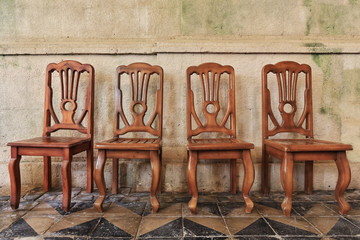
column 354, row 2
column 331, row 88
column 315, row 44
column 351, row 88
column 332, row 18
column 212, row 17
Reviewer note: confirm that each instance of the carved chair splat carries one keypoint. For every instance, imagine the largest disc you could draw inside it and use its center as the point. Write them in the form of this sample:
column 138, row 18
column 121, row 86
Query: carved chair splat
column 210, row 76
column 288, row 76
column 69, row 79
column 139, row 76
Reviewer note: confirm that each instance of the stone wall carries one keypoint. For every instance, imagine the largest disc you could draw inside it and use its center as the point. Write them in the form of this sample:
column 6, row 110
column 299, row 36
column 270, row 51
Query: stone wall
column 175, row 34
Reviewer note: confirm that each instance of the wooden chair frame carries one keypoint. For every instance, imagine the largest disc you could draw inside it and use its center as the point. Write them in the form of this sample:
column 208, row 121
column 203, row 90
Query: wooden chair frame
column 215, row 148
column 290, row 150
column 64, row 147
column 129, row 148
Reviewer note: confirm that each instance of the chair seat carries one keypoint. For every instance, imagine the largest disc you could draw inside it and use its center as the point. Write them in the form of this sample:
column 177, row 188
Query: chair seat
column 306, row 145
column 218, row 144
column 130, row 144
column 47, row 142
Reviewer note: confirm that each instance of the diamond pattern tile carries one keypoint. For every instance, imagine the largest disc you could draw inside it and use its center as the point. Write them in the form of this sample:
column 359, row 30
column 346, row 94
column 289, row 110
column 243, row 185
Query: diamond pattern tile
column 128, row 215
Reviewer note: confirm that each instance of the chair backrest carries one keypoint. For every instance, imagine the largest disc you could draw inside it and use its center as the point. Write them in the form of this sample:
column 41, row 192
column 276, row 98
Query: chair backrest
column 139, row 77
column 69, row 79
column 209, row 76
column 286, row 80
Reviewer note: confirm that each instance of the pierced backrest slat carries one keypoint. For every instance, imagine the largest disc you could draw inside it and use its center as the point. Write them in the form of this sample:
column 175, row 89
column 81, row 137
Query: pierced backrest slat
column 140, row 75
column 209, row 76
column 287, row 82
column 69, row 74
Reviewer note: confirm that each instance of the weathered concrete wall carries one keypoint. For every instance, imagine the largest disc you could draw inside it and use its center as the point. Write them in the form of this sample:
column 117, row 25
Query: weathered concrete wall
column 177, row 34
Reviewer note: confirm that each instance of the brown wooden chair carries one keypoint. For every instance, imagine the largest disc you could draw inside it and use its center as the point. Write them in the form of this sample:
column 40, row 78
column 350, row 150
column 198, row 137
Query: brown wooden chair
column 50, row 146
column 140, row 76
column 212, row 77
column 286, row 79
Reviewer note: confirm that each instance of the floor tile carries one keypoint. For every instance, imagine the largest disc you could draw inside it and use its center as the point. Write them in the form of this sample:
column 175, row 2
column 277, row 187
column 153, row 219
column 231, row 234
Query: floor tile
column 343, row 227
column 160, row 227
column 7, row 221
column 256, row 238
column 166, row 209
column 313, row 209
column 204, row 226
column 235, row 209
column 43, row 209
column 115, row 227
column 355, row 208
column 41, row 224
column 270, row 208
column 292, row 226
column 19, row 228
column 252, row 226
column 203, row 209
column 130, row 209
column 323, row 224
column 74, row 225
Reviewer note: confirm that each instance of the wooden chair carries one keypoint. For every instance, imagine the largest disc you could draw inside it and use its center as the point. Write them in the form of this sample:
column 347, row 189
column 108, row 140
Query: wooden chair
column 286, row 79
column 211, row 76
column 140, row 76
column 50, row 146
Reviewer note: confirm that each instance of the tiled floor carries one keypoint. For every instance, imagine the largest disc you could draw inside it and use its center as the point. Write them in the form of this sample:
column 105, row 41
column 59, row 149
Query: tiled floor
column 220, row 216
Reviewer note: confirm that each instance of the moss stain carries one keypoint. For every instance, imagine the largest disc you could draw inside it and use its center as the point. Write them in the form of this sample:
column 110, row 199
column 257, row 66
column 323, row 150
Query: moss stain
column 212, row 17
column 335, row 18
column 331, row 96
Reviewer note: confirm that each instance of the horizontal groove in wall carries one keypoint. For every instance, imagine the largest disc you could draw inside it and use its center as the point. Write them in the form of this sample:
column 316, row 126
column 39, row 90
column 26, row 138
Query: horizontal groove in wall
column 182, row 46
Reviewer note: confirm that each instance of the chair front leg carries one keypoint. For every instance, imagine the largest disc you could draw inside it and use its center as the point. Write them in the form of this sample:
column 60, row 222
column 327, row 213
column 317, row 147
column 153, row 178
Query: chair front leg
column 66, row 180
column 192, row 166
column 286, row 175
column 249, row 175
column 233, row 172
column 155, row 168
column 89, row 169
column 99, row 179
column 15, row 180
column 343, row 182
column 47, row 173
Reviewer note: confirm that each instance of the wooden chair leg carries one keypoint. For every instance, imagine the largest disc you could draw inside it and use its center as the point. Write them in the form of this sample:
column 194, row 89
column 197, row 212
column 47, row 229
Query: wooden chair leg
column 343, row 182
column 265, row 177
column 187, row 174
column 115, row 176
column 66, row 180
column 155, row 168
column 89, row 169
column 309, row 173
column 99, row 179
column 249, row 175
column 192, row 166
column 158, row 190
column 286, row 176
column 15, row 180
column 233, row 172
column 47, row 173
